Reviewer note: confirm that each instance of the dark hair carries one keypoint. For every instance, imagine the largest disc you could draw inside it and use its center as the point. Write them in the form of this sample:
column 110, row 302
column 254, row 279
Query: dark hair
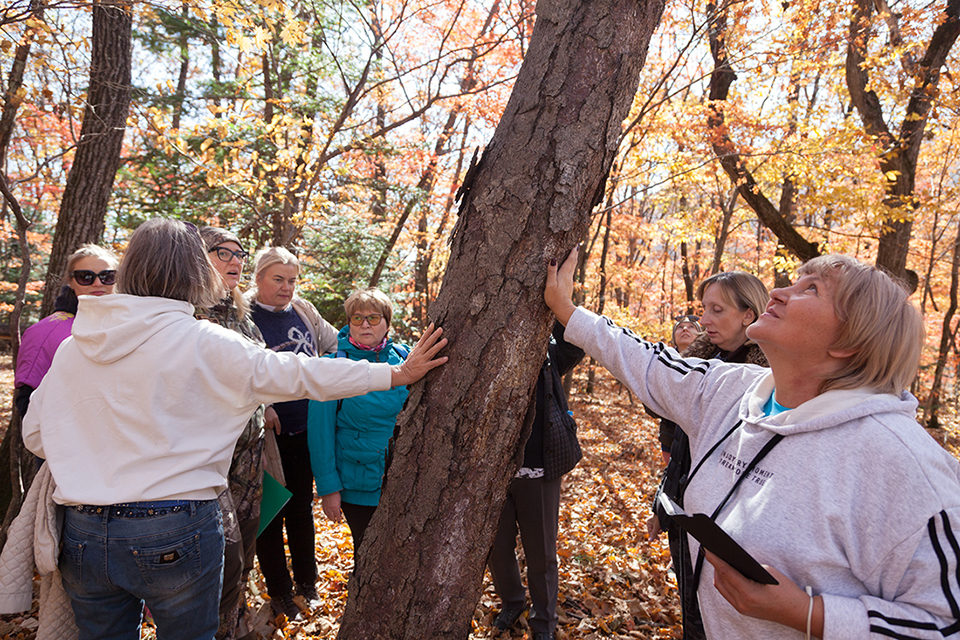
column 67, row 300
column 167, row 259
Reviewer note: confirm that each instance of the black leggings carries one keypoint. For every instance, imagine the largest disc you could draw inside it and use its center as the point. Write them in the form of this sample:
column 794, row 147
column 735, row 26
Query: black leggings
column 297, row 515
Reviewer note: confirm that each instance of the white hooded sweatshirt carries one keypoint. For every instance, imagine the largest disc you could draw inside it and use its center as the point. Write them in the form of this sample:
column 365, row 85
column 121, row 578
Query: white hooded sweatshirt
column 144, row 402
column 857, row 500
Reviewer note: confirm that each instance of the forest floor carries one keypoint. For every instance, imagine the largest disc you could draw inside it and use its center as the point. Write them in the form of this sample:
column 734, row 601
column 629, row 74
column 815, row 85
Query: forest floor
column 614, row 583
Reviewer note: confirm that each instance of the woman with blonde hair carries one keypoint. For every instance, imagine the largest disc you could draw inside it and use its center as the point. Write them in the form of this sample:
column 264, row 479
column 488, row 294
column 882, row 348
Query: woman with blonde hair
column 289, row 323
column 137, row 420
column 817, row 466
column 91, row 270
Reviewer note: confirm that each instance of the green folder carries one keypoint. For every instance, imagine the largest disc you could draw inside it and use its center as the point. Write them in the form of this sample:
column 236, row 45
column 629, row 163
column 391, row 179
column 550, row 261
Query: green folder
column 275, row 495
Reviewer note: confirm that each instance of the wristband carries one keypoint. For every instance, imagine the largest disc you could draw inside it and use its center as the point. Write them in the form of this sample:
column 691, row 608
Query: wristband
column 809, row 591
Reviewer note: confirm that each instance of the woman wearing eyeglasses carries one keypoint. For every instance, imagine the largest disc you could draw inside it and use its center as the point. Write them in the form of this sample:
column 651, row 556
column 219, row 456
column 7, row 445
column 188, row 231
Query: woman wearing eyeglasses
column 289, row 323
column 348, row 439
column 91, row 271
column 240, row 503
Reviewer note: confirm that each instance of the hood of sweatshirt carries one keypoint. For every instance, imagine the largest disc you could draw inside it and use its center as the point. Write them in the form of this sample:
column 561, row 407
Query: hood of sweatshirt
column 109, row 328
column 827, row 410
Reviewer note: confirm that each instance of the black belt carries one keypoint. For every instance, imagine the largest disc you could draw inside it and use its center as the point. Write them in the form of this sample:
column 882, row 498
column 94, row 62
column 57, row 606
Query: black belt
column 140, row 509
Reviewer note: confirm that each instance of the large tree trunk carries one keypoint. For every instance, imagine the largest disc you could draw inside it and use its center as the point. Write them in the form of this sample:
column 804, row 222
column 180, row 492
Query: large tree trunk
column 90, row 181
column 460, row 439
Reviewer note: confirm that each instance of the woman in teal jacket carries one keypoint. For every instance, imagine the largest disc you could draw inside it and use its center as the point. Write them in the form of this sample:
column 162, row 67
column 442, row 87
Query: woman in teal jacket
column 348, row 438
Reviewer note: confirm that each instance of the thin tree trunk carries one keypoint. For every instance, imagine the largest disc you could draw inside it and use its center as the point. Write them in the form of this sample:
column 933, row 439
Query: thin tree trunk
column 14, row 458
column 460, row 439
column 726, row 210
column 184, row 67
column 688, row 282
column 932, row 406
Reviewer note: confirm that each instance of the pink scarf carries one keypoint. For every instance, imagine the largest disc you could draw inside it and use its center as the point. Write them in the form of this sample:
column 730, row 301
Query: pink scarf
column 380, row 346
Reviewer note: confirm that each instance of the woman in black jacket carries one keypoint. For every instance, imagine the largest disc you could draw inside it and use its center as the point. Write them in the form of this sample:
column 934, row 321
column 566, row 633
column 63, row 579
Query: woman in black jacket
column 532, row 505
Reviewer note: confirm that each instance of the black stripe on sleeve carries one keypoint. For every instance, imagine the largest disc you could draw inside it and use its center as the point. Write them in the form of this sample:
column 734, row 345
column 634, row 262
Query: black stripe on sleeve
column 900, row 622
column 942, row 558
column 951, row 599
column 948, row 532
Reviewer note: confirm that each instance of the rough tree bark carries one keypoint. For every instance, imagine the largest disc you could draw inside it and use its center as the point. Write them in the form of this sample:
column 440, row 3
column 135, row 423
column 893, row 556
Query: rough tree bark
column 460, row 439
column 898, row 158
column 90, row 181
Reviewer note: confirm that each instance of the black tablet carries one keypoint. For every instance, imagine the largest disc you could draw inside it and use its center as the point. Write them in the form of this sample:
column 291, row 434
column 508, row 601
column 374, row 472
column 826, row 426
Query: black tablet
column 717, row 541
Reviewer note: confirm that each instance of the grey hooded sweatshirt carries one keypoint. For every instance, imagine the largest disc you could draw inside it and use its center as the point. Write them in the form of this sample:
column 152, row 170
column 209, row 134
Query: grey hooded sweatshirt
column 857, row 500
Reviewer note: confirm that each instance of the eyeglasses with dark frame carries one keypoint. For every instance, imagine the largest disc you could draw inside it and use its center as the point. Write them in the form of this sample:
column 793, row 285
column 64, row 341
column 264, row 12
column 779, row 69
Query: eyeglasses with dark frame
column 225, row 255
column 85, row 277
column 374, row 319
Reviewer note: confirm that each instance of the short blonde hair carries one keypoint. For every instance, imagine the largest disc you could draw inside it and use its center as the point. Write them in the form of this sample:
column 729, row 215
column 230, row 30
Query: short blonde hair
column 372, row 298
column 739, row 288
column 166, row 259
column 877, row 323
column 89, row 251
column 265, row 259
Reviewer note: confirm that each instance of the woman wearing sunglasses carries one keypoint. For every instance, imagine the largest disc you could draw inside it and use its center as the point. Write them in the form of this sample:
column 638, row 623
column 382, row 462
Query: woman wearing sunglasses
column 240, row 503
column 289, row 323
column 91, row 271
column 138, row 418
column 348, row 438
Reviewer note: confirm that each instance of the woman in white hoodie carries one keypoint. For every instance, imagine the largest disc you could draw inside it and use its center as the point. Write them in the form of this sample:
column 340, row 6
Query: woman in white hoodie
column 137, row 420
column 845, row 499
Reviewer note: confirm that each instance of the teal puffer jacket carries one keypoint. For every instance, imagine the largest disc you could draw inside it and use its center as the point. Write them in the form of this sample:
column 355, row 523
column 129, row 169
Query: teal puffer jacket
column 348, row 438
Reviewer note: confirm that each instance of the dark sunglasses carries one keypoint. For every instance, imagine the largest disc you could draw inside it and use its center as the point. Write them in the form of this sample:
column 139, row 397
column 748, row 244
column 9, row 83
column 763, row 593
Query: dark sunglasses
column 226, row 255
column 85, row 277
column 373, row 319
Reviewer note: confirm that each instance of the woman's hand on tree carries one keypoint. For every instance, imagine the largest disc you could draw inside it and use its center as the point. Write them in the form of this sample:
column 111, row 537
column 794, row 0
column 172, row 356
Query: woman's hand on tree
column 421, row 359
column 558, row 293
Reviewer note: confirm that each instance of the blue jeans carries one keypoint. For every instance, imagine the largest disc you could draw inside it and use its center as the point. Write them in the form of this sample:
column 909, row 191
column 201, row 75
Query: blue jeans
column 115, row 560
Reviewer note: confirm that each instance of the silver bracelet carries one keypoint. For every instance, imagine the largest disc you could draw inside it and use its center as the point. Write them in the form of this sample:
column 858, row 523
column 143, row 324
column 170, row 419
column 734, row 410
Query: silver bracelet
column 809, row 591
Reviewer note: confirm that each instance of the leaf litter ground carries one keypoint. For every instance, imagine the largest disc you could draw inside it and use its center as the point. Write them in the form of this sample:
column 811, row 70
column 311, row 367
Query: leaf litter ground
column 613, row 582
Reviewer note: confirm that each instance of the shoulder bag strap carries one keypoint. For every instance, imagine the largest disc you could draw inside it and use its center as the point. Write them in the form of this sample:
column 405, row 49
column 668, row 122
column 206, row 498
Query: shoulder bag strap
column 771, row 443
column 712, row 449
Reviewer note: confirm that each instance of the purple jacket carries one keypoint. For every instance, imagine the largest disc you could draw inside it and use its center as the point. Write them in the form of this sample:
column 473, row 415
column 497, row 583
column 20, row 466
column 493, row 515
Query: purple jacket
column 37, row 347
